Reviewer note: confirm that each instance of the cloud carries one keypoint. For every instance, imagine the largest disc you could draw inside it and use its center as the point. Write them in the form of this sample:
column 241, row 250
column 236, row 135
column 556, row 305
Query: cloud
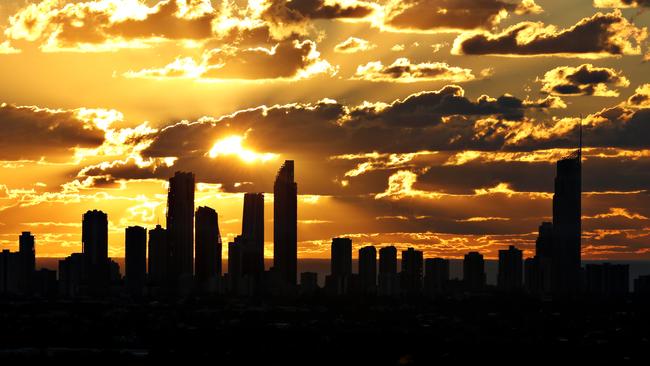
column 621, row 3
column 585, row 79
column 289, row 60
column 429, row 16
column 353, row 45
column 34, row 133
column 298, row 11
column 7, row 49
column 598, row 36
column 403, row 71
column 641, row 97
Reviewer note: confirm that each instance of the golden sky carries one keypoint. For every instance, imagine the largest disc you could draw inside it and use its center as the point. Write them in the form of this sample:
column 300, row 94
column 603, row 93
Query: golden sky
column 426, row 123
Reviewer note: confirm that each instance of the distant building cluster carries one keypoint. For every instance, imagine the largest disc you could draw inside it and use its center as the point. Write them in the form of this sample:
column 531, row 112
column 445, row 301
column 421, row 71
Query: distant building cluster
column 185, row 257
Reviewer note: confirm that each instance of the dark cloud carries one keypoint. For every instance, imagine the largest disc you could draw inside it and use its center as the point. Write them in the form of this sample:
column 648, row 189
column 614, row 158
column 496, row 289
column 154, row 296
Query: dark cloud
column 621, row 3
column 33, row 133
column 402, row 70
column 299, row 11
column 602, row 35
column 585, row 79
column 436, row 15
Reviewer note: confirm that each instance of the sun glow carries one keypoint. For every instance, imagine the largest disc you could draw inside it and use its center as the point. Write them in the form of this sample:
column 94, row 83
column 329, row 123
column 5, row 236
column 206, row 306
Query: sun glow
column 233, row 145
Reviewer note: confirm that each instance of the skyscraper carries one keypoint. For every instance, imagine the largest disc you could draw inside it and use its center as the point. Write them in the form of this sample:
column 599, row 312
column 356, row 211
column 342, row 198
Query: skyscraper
column 341, row 257
column 411, row 275
column 474, row 271
column 208, row 246
column 135, row 261
column 94, row 239
column 180, row 227
column 510, row 275
column 235, row 263
column 158, row 257
column 388, row 280
column 567, row 225
column 252, row 249
column 436, row 275
column 543, row 259
column 368, row 269
column 285, row 223
column 27, row 254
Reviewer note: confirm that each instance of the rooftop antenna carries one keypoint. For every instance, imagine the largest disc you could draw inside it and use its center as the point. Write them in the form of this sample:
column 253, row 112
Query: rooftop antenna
column 580, row 143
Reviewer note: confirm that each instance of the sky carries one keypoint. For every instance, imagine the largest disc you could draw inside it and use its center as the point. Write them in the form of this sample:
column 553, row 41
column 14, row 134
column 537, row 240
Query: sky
column 434, row 124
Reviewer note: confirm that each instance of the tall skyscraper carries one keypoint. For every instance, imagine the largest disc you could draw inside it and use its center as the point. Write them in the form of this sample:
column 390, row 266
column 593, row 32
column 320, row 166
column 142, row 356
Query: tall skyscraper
column 158, row 257
column 510, row 275
column 567, row 225
column 341, row 257
column 543, row 259
column 252, row 249
column 285, row 223
column 474, row 271
column 235, row 263
column 388, row 280
column 208, row 246
column 436, row 275
column 180, row 227
column 27, row 254
column 368, row 269
column 94, row 239
column 135, row 261
column 411, row 275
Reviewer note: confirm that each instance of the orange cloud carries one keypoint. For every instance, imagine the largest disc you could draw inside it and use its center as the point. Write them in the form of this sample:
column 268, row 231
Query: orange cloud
column 354, row 45
column 403, row 71
column 289, row 60
column 598, row 36
column 585, row 79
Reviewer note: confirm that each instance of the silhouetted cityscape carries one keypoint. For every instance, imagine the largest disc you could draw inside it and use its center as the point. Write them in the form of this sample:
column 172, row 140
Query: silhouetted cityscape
column 185, row 257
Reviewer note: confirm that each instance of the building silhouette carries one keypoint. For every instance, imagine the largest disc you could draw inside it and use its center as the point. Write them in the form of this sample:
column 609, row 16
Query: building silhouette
column 436, row 275
column 235, row 263
column 94, row 239
column 208, row 249
column 285, row 224
column 474, row 271
column 71, row 275
column 510, row 275
column 388, row 280
column 180, row 228
column 642, row 285
column 135, row 259
column 411, row 275
column 567, row 226
column 308, row 282
column 252, row 236
column 27, row 254
column 159, row 257
column 368, row 269
column 340, row 280
column 607, row 280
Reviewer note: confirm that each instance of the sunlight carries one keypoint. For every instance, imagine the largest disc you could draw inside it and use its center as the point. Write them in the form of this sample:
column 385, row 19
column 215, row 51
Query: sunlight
column 233, row 146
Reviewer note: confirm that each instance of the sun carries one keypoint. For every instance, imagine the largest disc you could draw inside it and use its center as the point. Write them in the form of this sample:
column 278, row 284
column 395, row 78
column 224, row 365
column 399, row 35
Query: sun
column 233, row 145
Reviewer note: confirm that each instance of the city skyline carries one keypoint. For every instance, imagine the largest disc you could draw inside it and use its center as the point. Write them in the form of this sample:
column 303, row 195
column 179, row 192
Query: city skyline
column 426, row 128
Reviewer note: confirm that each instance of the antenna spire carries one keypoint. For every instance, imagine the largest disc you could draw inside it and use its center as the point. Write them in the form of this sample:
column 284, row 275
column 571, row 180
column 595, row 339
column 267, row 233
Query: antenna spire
column 580, row 142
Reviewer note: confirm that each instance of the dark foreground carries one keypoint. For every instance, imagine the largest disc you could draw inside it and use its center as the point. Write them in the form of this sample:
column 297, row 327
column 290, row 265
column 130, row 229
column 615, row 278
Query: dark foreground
column 327, row 332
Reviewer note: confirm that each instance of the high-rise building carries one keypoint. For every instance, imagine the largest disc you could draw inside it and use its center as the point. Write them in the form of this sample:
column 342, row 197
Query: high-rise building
column 544, row 258
column 368, row 269
column 158, row 257
column 252, row 249
column 411, row 275
column 474, row 271
column 567, row 225
column 285, row 224
column 436, row 275
column 94, row 239
column 388, row 280
column 235, row 263
column 208, row 246
column 308, row 282
column 27, row 254
column 510, row 275
column 180, row 227
column 607, row 279
column 341, row 257
column 71, row 273
column 135, row 261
